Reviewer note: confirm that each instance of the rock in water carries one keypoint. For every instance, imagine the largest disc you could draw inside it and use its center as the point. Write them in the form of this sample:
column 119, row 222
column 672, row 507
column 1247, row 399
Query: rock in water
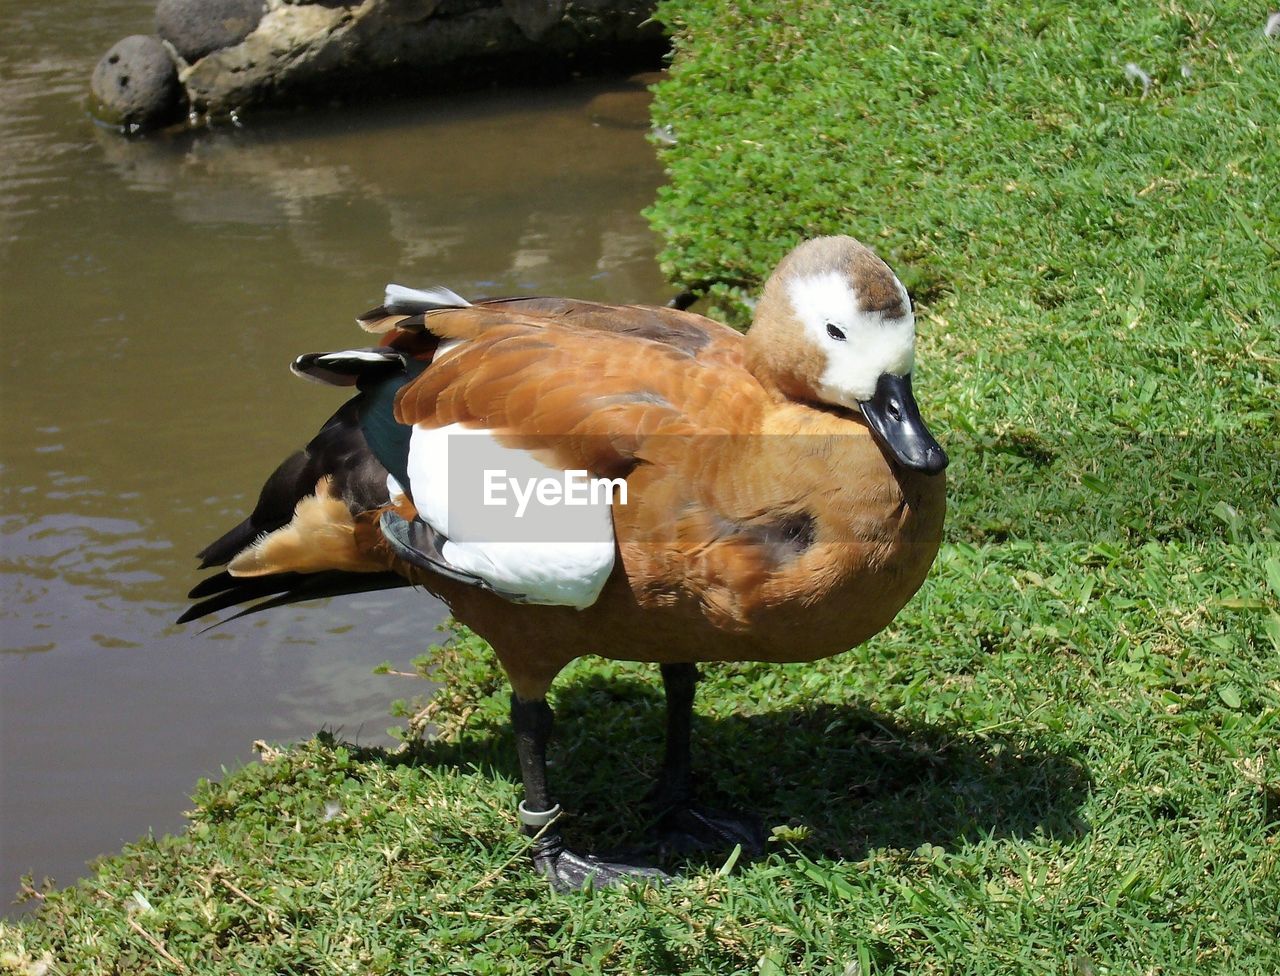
column 235, row 54
column 534, row 17
column 135, row 85
column 199, row 27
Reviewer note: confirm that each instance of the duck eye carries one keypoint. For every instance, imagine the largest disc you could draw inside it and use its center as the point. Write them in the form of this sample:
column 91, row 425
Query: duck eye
column 835, row 332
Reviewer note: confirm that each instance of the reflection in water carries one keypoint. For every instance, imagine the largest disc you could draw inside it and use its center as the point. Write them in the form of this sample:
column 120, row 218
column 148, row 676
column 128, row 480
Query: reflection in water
column 499, row 186
column 152, row 294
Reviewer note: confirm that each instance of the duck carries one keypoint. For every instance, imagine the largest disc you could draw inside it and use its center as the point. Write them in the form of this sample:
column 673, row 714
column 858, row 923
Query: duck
column 640, row 483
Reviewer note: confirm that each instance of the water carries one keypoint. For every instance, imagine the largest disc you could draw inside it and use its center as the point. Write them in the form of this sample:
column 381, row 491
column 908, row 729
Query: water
column 151, row 295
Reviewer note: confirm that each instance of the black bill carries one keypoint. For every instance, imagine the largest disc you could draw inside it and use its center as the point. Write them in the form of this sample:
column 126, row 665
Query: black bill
column 895, row 420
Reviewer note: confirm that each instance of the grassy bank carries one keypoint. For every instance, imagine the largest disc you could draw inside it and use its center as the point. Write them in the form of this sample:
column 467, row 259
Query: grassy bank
column 1063, row 757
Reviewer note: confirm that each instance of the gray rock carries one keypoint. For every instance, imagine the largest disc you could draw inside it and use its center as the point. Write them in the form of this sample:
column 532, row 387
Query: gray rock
column 534, row 17
column 199, row 27
column 135, row 85
column 284, row 52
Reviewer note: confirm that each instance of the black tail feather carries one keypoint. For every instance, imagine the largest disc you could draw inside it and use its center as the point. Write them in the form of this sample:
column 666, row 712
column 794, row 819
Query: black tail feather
column 240, row 591
column 341, row 457
column 220, row 552
column 247, row 586
column 293, row 479
column 344, row 584
column 340, row 453
column 283, row 589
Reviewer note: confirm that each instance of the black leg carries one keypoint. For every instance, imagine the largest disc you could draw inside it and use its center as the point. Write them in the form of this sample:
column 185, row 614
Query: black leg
column 566, row 870
column 533, row 722
column 674, row 785
column 683, row 825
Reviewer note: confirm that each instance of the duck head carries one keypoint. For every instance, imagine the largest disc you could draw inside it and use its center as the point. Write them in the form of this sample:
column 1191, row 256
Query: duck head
column 834, row 325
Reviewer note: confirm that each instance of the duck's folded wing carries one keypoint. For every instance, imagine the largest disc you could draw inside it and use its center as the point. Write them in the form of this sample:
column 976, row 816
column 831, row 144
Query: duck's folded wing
column 579, row 397
column 407, row 310
column 705, row 340
column 519, row 398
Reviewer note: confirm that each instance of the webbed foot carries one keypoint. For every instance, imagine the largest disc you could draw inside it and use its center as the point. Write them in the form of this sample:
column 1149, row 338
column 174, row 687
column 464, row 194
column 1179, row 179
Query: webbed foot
column 689, row 828
column 569, row 871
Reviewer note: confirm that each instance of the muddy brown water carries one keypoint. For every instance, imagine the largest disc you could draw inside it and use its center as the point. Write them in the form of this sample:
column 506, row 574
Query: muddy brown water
column 152, row 294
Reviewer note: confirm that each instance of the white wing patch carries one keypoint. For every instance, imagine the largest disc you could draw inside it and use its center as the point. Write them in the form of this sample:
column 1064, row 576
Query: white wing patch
column 356, row 355
column 421, row 299
column 499, row 509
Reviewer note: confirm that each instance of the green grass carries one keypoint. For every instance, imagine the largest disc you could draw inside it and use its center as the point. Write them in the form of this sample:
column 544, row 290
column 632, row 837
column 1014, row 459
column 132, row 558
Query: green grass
column 943, row 801
column 1064, row 756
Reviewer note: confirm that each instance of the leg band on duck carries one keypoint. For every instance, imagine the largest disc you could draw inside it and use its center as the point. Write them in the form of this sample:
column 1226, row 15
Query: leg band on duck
column 537, row 819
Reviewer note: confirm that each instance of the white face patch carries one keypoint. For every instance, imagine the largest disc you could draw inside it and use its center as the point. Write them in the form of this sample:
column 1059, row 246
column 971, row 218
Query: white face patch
column 873, row 343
